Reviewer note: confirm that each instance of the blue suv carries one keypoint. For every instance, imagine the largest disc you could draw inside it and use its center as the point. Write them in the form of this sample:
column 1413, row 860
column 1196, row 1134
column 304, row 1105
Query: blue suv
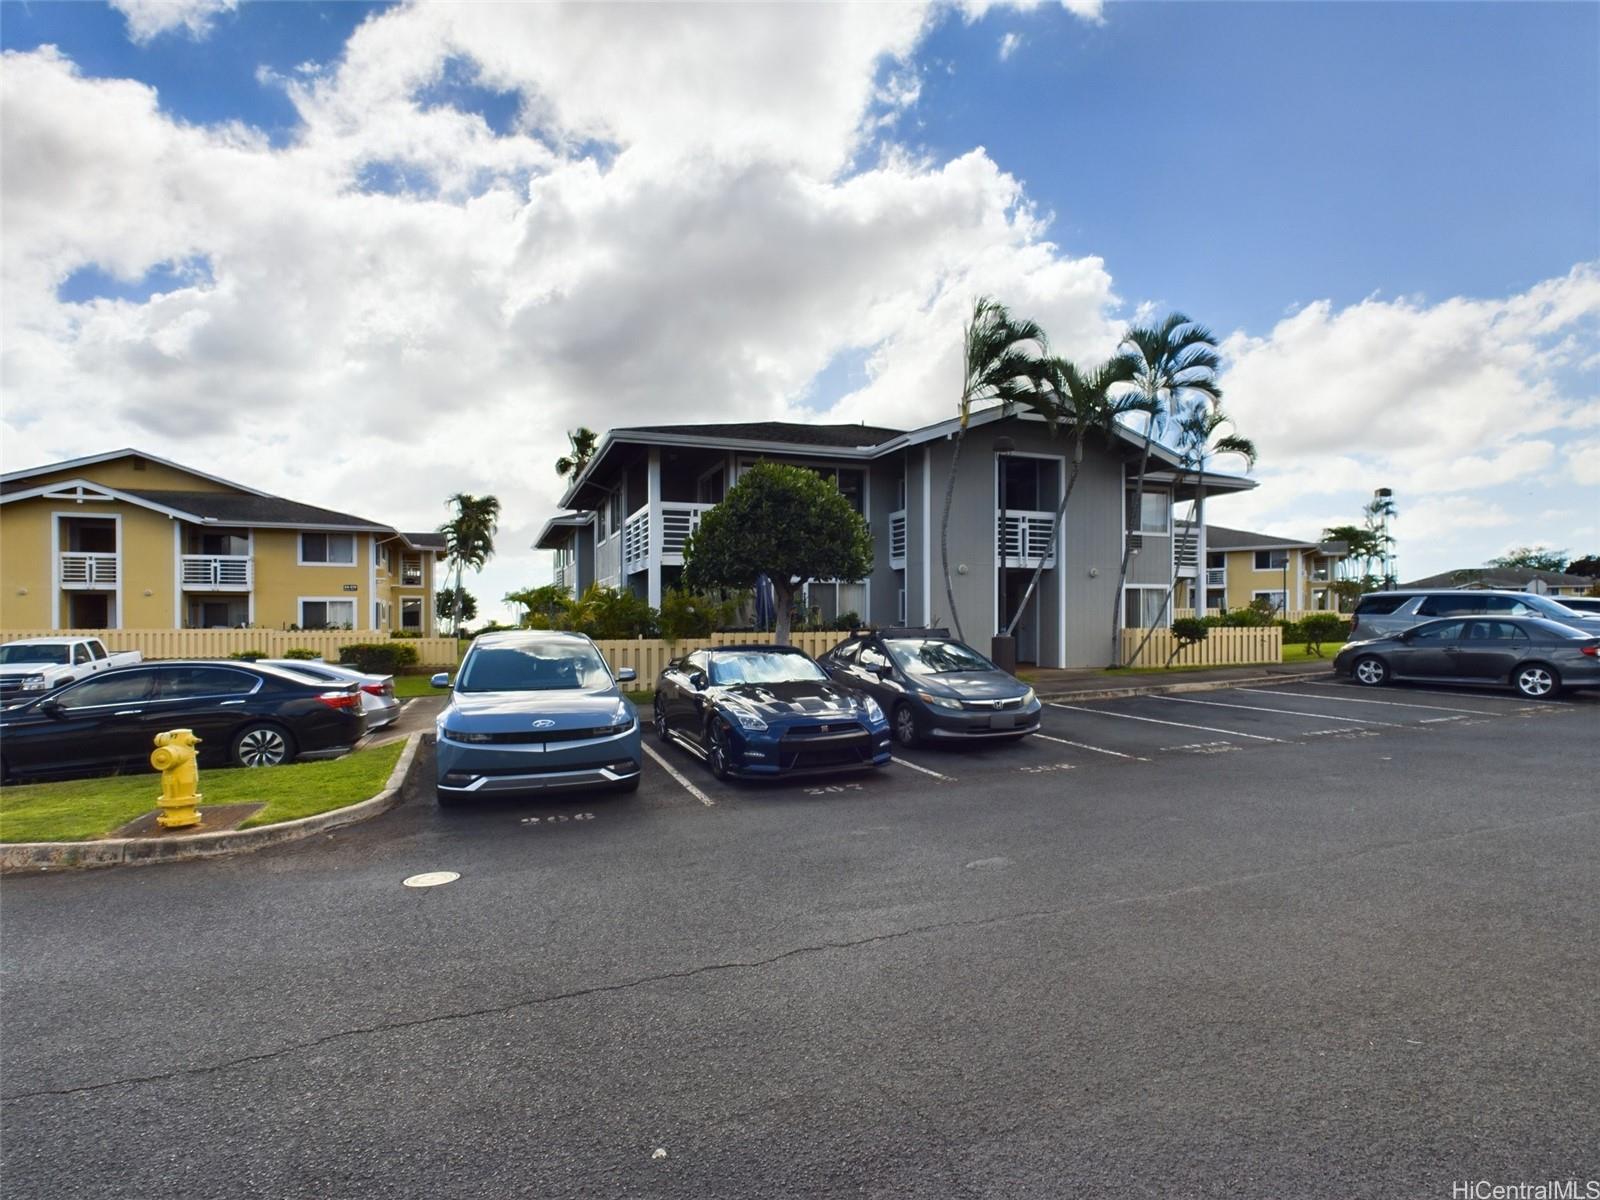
column 535, row 710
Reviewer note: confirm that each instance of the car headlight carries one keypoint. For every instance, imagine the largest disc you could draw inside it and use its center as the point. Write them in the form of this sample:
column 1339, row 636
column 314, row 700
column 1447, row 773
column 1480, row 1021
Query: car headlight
column 939, row 701
column 1028, row 697
column 747, row 718
column 469, row 736
column 621, row 720
column 871, row 705
column 33, row 683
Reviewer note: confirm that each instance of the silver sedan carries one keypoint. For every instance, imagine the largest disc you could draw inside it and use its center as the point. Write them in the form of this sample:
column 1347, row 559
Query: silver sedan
column 378, row 701
column 1537, row 657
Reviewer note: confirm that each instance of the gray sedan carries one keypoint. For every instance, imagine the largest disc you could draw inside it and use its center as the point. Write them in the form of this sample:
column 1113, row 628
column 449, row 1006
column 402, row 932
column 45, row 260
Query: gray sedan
column 1537, row 657
column 378, row 702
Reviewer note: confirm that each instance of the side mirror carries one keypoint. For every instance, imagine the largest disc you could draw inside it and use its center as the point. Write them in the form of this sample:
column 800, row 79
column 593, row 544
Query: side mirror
column 51, row 708
column 883, row 670
column 697, row 680
column 626, row 675
column 441, row 680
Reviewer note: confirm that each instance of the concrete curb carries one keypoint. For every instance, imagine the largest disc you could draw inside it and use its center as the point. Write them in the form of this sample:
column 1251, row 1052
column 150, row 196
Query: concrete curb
column 16, row 857
column 1199, row 685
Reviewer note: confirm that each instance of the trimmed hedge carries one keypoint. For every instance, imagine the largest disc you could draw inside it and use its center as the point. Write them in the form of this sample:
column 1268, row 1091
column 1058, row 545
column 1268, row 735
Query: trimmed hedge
column 379, row 658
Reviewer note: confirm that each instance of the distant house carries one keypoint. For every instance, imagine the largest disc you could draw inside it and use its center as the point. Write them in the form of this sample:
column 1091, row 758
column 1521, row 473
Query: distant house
column 1242, row 567
column 1513, row 579
column 634, row 505
column 127, row 540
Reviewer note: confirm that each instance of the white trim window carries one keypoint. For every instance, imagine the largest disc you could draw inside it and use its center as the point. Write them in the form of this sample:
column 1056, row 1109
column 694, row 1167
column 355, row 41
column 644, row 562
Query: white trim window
column 1274, row 597
column 1144, row 606
column 1271, row 560
column 1155, row 513
column 411, row 613
column 327, row 612
column 327, row 550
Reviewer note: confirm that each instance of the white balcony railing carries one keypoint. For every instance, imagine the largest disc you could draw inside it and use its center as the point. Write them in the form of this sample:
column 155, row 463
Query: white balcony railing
column 636, row 541
column 217, row 572
column 79, row 570
column 1216, row 576
column 678, row 521
column 897, row 539
column 1023, row 537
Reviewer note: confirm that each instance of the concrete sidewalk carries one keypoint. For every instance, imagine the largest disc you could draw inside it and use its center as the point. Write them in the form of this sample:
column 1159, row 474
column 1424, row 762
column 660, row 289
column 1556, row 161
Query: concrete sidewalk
column 1094, row 684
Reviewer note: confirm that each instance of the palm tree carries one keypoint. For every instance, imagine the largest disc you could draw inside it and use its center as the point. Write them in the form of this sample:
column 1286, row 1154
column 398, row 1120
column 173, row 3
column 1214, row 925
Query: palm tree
column 582, row 440
column 1177, row 369
column 1378, row 514
column 469, row 537
column 1081, row 402
column 1359, row 543
column 1002, row 362
column 1201, row 437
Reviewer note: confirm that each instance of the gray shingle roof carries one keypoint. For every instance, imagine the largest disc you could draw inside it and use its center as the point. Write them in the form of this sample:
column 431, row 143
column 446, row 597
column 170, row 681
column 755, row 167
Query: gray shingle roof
column 1510, row 578
column 230, row 509
column 785, row 432
column 426, row 541
column 1219, row 537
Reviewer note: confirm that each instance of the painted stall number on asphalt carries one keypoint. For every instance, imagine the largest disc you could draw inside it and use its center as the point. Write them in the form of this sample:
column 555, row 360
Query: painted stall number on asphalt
column 832, row 788
column 557, row 820
column 1045, row 768
column 1204, row 747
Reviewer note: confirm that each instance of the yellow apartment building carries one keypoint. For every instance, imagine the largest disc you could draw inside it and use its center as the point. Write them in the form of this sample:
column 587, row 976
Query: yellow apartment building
column 1242, row 567
column 127, row 540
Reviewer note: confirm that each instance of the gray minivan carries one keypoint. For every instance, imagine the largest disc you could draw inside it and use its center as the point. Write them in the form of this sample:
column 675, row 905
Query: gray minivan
column 1381, row 613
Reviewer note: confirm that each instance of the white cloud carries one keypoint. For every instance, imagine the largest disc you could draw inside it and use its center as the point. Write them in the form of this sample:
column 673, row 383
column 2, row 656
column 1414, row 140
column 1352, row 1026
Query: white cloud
column 689, row 224
column 1008, row 45
column 1583, row 462
column 149, row 18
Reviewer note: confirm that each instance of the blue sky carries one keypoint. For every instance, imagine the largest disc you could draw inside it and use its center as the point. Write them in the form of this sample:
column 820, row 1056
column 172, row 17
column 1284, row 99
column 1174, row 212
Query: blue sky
column 422, row 216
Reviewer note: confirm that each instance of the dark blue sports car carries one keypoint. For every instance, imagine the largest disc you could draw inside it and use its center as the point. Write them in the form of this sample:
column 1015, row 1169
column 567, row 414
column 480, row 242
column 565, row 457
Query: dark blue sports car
column 767, row 711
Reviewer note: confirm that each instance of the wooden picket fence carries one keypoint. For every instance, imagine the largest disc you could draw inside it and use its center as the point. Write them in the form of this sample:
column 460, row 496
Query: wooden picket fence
column 224, row 643
column 1221, row 648
column 1294, row 614
column 648, row 656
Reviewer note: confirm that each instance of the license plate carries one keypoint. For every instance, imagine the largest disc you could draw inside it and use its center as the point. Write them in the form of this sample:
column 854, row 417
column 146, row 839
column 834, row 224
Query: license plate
column 1003, row 721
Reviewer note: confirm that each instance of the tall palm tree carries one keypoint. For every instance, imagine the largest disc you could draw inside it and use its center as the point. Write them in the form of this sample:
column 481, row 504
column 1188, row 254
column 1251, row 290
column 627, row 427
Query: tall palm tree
column 1082, row 403
column 583, row 441
column 1002, row 363
column 1177, row 369
column 1378, row 514
column 469, row 537
column 1201, row 436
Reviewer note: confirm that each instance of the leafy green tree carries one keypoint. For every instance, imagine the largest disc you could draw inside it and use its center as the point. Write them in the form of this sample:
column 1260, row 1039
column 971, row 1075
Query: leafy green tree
column 1177, row 368
column 1082, row 403
column 1361, row 544
column 1003, row 363
column 1324, row 627
column 1532, row 558
column 583, row 441
column 1186, row 631
column 546, row 607
column 444, row 606
column 686, row 614
column 1588, row 566
column 612, row 613
column 469, row 538
column 784, row 522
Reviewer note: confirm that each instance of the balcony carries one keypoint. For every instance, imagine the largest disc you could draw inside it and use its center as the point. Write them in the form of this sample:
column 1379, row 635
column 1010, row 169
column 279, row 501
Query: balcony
column 897, row 540
column 636, row 541
column 87, row 572
column 1023, row 537
column 677, row 521
column 1216, row 577
column 216, row 572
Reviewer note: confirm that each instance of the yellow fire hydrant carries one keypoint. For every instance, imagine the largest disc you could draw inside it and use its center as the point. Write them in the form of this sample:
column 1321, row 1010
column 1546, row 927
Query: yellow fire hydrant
column 174, row 757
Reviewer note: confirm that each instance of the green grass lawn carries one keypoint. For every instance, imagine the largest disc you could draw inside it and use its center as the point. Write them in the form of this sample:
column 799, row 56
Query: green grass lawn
column 76, row 809
column 1299, row 652
column 409, row 687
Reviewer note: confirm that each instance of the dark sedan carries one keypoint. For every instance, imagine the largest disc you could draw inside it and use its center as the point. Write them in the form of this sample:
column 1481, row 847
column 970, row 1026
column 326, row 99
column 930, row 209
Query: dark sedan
column 767, row 711
column 243, row 713
column 935, row 688
column 1537, row 657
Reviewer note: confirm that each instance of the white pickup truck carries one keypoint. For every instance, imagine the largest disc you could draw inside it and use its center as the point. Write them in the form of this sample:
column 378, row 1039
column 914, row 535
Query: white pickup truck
column 37, row 665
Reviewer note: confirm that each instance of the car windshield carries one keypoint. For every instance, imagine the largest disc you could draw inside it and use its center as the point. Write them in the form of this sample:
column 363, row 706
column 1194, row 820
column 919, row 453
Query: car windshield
column 51, row 655
column 535, row 667
column 764, row 666
column 930, row 656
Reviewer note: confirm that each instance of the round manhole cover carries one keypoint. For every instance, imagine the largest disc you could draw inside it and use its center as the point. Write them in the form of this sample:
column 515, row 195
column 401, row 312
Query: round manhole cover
column 432, row 878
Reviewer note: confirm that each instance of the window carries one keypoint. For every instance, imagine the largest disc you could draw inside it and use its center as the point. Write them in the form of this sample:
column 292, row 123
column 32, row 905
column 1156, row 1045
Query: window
column 1495, row 631
column 410, row 571
column 332, row 549
column 213, row 542
column 710, row 487
column 845, row 652
column 411, row 613
column 183, row 683
column 327, row 614
column 1271, row 560
column 1276, row 599
column 1379, row 604
column 1145, row 607
column 533, row 667
column 1461, row 602
column 1155, row 513
column 872, row 658
column 936, row 656
column 729, row 667
column 1444, row 631
column 120, row 687
column 96, row 651
column 80, row 654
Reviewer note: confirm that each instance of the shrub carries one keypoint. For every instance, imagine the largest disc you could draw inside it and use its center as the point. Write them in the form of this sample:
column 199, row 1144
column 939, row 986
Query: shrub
column 847, row 621
column 405, row 633
column 378, row 658
column 301, row 653
column 248, row 655
column 686, row 614
column 1254, row 617
column 1186, row 631
column 609, row 613
column 1324, row 627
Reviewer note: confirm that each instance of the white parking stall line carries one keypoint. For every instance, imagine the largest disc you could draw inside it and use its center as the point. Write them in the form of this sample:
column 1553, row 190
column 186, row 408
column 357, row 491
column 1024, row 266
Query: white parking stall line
column 1096, row 749
column 1100, row 712
column 900, row 762
column 678, row 775
column 1358, row 700
column 1434, row 691
column 1436, row 720
column 1287, row 712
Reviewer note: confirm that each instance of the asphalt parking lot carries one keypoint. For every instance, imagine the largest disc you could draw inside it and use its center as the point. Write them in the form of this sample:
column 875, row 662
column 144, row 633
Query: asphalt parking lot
column 1304, row 939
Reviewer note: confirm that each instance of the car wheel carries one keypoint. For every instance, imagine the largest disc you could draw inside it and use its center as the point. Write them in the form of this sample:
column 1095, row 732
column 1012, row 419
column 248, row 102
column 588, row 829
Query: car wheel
column 262, row 746
column 905, row 725
column 717, row 754
column 1537, row 681
column 1370, row 671
column 658, row 720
